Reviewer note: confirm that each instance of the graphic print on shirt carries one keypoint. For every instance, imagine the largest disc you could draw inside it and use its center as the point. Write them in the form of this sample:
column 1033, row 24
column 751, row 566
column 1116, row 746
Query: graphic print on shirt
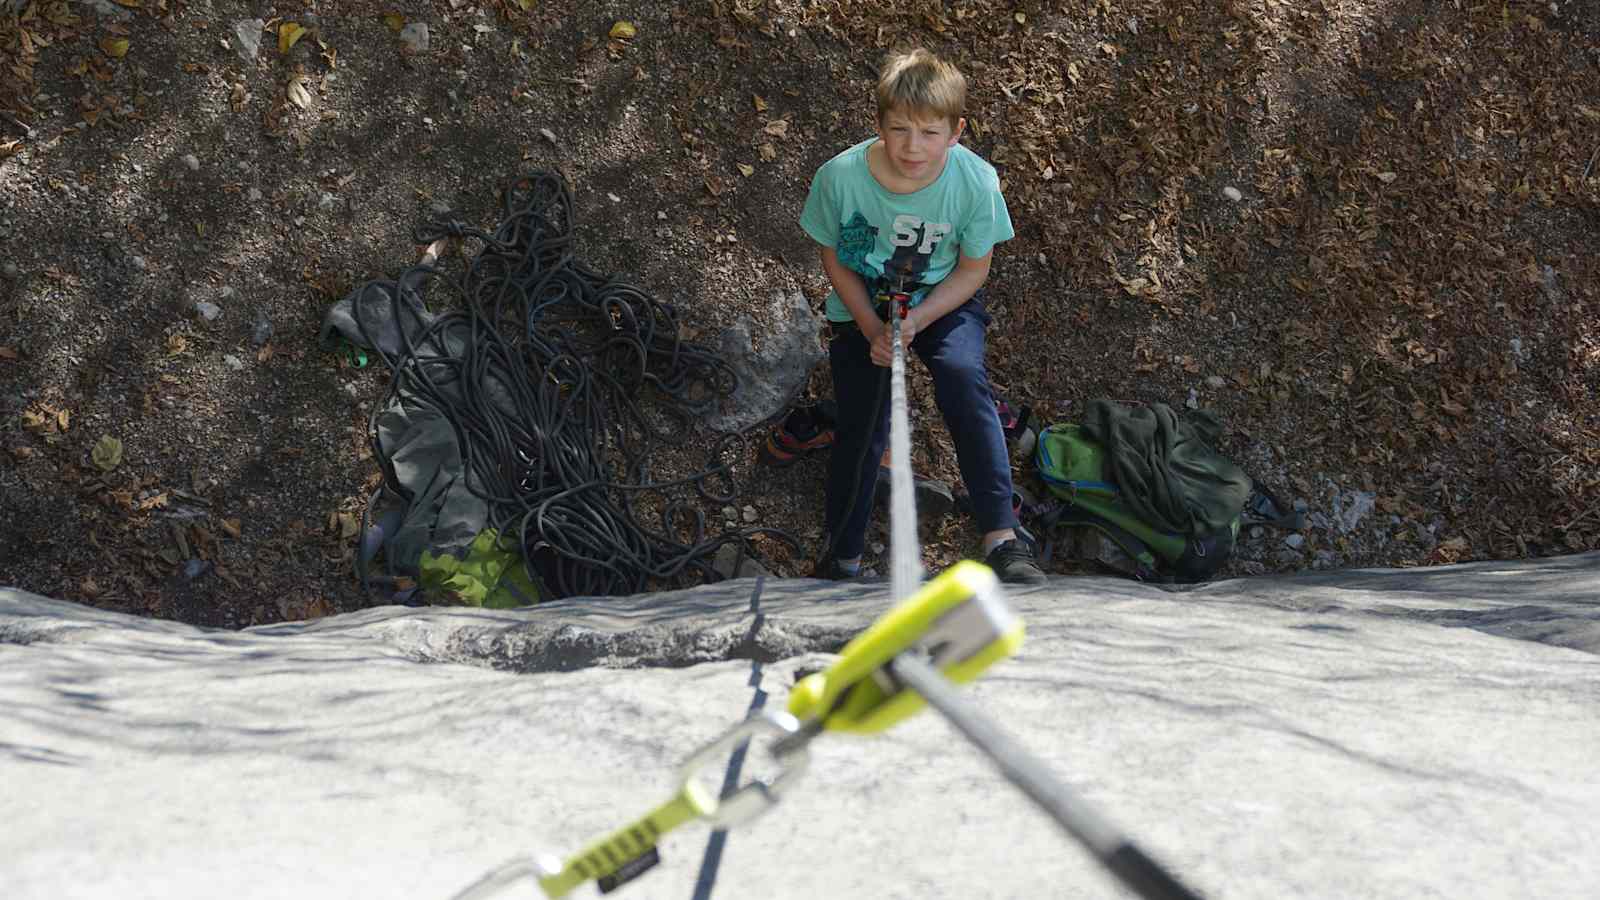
column 856, row 240
column 914, row 241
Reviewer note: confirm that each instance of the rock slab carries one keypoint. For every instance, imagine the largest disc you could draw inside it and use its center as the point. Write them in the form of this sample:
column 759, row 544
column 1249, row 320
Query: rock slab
column 1405, row 733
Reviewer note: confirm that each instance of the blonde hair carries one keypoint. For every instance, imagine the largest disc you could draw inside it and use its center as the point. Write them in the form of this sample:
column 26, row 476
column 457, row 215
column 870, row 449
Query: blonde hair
column 921, row 85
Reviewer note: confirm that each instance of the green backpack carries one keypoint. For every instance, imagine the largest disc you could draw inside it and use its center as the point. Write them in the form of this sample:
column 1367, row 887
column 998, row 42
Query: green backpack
column 1073, row 467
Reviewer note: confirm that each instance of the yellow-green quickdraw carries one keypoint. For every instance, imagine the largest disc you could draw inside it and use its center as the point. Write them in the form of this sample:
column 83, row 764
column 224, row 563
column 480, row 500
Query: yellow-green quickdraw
column 959, row 621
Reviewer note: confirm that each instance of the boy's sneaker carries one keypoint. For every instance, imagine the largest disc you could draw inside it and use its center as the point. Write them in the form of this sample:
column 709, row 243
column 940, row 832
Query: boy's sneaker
column 830, row 571
column 1013, row 562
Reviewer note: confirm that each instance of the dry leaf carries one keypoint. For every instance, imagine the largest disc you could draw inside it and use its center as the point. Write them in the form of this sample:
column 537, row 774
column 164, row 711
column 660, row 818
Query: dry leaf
column 22, row 452
column 116, row 48
column 768, row 153
column 230, row 527
column 746, row 171
column 131, row 4
column 176, row 344
column 1387, row 177
column 525, row 4
column 297, row 93
column 395, row 21
column 107, row 453
column 777, row 128
column 155, row 501
column 63, row 419
column 761, row 104
column 289, row 34
column 623, row 31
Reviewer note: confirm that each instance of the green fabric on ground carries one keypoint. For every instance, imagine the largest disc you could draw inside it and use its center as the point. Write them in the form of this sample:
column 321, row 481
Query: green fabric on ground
column 1166, row 469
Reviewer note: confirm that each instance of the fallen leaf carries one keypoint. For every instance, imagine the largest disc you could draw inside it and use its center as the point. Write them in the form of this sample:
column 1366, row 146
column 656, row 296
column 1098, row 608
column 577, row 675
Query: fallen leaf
column 761, row 104
column 746, row 171
column 1387, row 177
column 107, row 453
column 116, row 48
column 623, row 31
column 176, row 344
column 154, row 501
column 777, row 128
column 525, row 4
column 297, row 93
column 395, row 21
column 768, row 153
column 22, row 452
column 63, row 419
column 289, row 34
column 8, row 354
column 89, row 587
column 230, row 527
column 1022, row 19
column 348, row 525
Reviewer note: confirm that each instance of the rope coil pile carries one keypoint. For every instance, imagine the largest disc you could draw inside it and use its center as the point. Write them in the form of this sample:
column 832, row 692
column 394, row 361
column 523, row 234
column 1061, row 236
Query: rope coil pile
column 562, row 385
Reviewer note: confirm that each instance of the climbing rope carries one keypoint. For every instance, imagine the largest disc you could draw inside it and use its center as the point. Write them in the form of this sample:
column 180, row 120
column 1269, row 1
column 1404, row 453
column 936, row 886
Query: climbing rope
column 563, row 386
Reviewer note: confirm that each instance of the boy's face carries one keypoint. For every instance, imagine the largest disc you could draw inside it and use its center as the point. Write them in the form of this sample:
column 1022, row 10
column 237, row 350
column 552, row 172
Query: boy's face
column 916, row 146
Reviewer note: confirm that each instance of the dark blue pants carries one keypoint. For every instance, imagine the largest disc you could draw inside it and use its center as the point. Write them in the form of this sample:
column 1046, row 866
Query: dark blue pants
column 952, row 349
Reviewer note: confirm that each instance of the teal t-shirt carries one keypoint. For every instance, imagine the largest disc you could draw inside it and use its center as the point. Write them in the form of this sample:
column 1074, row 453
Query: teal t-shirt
column 882, row 236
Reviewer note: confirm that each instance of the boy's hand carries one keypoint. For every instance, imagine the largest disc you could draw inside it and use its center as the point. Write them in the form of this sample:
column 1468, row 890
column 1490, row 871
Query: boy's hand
column 883, row 342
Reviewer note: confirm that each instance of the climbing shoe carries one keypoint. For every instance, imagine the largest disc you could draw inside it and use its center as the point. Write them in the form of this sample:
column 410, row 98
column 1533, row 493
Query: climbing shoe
column 804, row 431
column 934, row 498
column 1013, row 563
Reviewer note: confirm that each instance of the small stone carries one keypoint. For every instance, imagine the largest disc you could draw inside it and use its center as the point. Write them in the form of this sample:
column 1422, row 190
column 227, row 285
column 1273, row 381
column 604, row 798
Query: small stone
column 1194, row 399
column 138, row 262
column 299, row 220
column 877, row 548
column 1215, row 382
column 550, row 136
column 226, row 294
column 749, row 568
column 233, row 362
column 351, row 389
column 1257, row 532
column 1295, row 541
column 415, row 37
column 614, row 197
column 661, row 214
column 327, row 202
column 730, row 513
column 247, row 38
column 1324, row 559
column 262, row 332
column 208, row 311
column 1253, row 567
column 750, row 514
column 194, row 568
column 11, row 270
column 1232, row 193
column 192, row 161
column 254, row 195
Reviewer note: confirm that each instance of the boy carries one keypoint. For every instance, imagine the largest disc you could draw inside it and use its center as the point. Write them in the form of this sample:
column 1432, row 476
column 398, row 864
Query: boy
column 913, row 209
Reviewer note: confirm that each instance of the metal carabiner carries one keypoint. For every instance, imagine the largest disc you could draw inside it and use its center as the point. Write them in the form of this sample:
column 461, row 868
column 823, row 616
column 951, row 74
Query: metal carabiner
column 748, row 801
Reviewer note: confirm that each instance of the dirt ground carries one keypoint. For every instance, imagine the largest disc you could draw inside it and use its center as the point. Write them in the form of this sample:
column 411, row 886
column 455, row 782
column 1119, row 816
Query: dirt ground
column 1363, row 232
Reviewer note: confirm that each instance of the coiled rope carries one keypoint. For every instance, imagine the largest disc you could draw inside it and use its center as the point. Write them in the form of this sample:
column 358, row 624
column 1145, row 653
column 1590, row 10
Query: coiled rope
column 562, row 386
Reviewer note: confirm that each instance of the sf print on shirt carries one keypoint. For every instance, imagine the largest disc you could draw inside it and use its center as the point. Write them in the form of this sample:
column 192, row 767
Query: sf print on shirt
column 914, row 241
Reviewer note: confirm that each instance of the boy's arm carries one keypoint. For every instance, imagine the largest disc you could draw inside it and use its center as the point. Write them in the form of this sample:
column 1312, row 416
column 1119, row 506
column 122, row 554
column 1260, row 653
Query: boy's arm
column 853, row 291
column 956, row 289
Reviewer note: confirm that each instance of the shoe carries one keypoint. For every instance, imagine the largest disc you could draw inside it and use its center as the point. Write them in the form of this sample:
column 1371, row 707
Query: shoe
column 1012, row 561
column 801, row 434
column 934, row 498
column 830, row 571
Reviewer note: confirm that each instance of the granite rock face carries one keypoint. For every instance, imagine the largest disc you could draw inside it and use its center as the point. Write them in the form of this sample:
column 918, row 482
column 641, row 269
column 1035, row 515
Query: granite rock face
column 1425, row 732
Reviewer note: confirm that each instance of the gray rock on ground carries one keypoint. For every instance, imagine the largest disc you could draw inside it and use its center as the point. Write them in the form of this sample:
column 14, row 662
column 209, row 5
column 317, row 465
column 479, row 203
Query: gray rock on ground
column 771, row 375
column 1351, row 734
